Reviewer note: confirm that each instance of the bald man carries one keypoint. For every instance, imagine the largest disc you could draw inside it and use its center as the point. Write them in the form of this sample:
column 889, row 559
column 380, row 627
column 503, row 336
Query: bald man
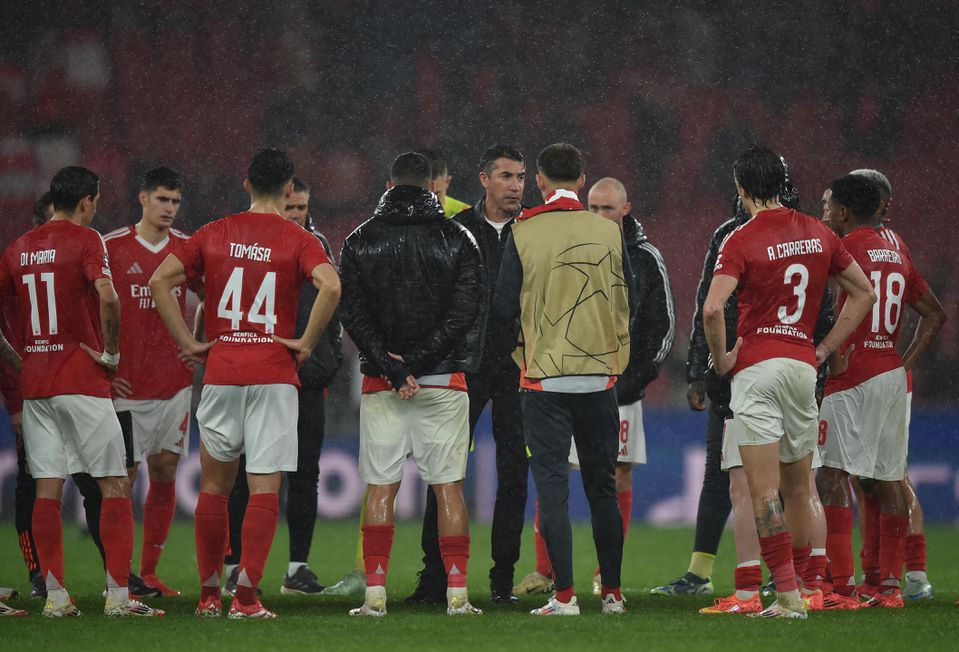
column 651, row 340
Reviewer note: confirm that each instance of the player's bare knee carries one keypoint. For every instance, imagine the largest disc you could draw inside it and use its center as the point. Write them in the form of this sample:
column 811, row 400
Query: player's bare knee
column 114, row 486
column 50, row 488
column 624, row 477
column 162, row 466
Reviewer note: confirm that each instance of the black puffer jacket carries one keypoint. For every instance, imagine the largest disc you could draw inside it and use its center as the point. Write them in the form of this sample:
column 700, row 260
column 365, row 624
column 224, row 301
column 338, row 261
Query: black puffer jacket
column 698, row 362
column 413, row 285
column 655, row 321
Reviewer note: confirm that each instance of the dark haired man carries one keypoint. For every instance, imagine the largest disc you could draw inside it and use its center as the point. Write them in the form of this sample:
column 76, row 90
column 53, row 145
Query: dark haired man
column 779, row 261
column 864, row 413
column 441, row 182
column 153, row 387
column 42, row 210
column 252, row 265
column 61, row 277
column 414, row 302
column 316, row 374
column 574, row 343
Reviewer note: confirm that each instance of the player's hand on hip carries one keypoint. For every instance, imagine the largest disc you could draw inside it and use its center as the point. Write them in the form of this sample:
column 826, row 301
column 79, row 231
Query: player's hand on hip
column 696, row 395
column 727, row 361
column 196, row 352
column 103, row 358
column 838, row 363
column 122, row 387
column 297, row 347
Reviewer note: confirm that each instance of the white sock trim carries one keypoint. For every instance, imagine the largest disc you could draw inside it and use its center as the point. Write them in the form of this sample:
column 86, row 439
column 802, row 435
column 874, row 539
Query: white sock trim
column 751, row 562
column 817, row 552
column 294, row 566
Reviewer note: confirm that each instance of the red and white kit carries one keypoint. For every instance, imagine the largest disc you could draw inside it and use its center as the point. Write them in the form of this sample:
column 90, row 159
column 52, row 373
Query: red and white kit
column 160, row 401
column 864, row 413
column 782, row 260
column 68, row 420
column 252, row 267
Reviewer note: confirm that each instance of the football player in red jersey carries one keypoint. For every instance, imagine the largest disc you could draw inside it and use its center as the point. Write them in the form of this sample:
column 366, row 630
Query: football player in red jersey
column 864, row 413
column 252, row 265
column 61, row 276
column 917, row 585
column 153, row 387
column 779, row 262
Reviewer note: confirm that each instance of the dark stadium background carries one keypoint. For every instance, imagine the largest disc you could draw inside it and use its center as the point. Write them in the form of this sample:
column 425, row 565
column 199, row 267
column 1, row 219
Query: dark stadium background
column 661, row 95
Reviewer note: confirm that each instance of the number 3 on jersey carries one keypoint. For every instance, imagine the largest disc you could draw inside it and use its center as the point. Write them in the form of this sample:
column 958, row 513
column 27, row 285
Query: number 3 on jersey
column 794, row 270
column 262, row 310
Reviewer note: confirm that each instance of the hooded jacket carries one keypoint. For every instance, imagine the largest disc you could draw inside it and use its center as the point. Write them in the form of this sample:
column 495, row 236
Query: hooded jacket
column 413, row 285
column 654, row 325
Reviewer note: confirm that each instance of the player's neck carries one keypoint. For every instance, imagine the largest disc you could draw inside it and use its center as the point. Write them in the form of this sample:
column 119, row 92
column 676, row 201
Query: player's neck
column 266, row 205
column 59, row 216
column 755, row 207
column 495, row 213
column 150, row 233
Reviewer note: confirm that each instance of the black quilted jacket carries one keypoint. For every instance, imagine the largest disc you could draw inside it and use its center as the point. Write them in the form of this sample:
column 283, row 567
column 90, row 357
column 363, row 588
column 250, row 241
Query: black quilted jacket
column 413, row 284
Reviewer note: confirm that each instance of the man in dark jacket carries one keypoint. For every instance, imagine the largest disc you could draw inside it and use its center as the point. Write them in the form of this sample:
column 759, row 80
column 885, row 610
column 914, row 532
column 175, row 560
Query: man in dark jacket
column 316, row 375
column 415, row 304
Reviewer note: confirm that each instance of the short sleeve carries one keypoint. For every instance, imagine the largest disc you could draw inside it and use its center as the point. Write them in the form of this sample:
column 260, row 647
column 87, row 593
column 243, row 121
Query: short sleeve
column 841, row 258
column 916, row 286
column 312, row 255
column 731, row 260
column 190, row 255
column 96, row 261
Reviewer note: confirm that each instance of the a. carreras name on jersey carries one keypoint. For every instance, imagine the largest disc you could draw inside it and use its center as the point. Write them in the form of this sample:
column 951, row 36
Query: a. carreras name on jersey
column 43, row 257
column 250, row 252
column 795, row 248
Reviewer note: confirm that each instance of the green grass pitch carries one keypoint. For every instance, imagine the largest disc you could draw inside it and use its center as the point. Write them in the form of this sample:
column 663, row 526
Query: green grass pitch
column 652, row 556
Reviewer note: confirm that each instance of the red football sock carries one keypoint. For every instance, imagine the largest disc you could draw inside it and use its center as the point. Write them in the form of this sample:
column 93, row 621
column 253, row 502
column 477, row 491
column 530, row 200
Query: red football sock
column 455, row 551
column 116, row 532
column 565, row 595
column 617, row 593
column 916, row 552
column 157, row 516
column 48, row 534
column 778, row 555
column 839, row 548
column 543, row 565
column 211, row 525
column 377, row 545
column 892, row 534
column 815, row 570
column 869, row 553
column 625, row 500
column 748, row 578
column 801, row 560
column 259, row 526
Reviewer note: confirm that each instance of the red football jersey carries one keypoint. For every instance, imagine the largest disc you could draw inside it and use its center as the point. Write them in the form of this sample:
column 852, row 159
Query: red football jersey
column 895, row 281
column 252, row 266
column 782, row 260
column 149, row 357
column 51, row 269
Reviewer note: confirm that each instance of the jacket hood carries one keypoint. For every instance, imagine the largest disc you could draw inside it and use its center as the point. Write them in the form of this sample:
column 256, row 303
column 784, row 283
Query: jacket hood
column 408, row 205
column 633, row 230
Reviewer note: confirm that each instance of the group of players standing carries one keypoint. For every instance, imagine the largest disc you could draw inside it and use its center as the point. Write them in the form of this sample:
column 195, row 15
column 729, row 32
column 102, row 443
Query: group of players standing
column 439, row 310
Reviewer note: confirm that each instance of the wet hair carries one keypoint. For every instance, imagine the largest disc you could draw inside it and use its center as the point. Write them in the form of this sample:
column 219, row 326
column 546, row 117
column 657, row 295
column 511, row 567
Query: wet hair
column 411, row 169
column 495, row 152
column 161, row 177
column 70, row 185
column 40, row 209
column 437, row 161
column 858, row 194
column 299, row 185
column 761, row 173
column 561, row 163
column 789, row 197
column 270, row 171
column 878, row 178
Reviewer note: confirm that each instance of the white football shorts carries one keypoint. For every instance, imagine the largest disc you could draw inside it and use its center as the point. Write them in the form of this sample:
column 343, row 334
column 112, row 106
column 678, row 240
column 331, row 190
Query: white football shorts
column 632, row 437
column 433, row 427
column 73, row 433
column 776, row 401
column 159, row 425
column 258, row 420
column 733, row 432
column 863, row 429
